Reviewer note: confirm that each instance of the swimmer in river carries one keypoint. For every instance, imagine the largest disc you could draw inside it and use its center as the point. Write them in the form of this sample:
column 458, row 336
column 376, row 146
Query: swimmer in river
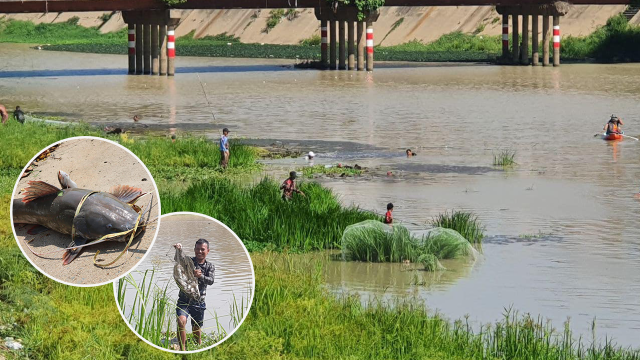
column 410, row 153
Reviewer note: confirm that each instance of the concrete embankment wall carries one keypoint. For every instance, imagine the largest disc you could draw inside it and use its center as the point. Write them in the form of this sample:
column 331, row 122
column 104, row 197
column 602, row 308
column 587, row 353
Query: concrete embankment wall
column 421, row 23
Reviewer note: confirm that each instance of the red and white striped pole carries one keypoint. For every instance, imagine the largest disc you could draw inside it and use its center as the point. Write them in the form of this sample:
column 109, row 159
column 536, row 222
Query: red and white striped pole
column 132, row 48
column 505, row 35
column 323, row 44
column 556, row 40
column 171, row 50
column 369, row 46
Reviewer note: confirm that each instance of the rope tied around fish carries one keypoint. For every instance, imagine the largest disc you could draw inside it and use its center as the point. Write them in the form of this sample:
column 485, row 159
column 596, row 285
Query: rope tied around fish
column 120, row 198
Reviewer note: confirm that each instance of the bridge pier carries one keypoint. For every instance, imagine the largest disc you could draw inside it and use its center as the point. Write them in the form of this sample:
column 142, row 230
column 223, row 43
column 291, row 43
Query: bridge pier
column 348, row 51
column 520, row 51
column 324, row 56
column 535, row 56
column 151, row 45
column 545, row 40
column 524, row 60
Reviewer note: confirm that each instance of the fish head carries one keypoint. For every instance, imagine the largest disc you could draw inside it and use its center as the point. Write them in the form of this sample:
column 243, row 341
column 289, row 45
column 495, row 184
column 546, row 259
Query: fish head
column 103, row 214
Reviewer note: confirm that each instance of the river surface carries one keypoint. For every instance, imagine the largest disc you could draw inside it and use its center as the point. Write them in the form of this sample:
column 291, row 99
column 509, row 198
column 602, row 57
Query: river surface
column 233, row 281
column 563, row 225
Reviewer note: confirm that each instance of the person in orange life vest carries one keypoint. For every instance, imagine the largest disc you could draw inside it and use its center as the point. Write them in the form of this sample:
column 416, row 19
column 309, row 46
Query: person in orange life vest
column 388, row 218
column 289, row 187
column 613, row 126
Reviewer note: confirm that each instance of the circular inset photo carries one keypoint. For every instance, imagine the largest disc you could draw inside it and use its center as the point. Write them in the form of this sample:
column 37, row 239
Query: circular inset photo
column 193, row 291
column 85, row 211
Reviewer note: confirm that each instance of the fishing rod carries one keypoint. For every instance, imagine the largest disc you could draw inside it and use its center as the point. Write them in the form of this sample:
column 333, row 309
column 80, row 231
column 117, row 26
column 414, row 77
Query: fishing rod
column 206, row 97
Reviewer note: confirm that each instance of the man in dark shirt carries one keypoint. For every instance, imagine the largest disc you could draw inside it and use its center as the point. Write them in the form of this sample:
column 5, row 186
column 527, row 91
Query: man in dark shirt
column 19, row 115
column 186, row 307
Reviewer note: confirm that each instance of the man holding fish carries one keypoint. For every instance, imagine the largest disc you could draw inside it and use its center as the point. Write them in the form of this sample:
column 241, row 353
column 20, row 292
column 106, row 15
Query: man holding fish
column 191, row 303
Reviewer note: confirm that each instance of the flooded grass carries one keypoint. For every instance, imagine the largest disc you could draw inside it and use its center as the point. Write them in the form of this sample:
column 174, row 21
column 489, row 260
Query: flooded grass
column 259, row 216
column 466, row 223
column 152, row 313
column 312, row 171
column 504, row 158
column 373, row 241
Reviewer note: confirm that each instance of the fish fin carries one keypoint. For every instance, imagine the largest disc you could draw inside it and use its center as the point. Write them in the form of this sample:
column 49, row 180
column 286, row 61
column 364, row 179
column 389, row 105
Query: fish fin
column 65, row 180
column 38, row 189
column 126, row 193
column 37, row 229
column 69, row 255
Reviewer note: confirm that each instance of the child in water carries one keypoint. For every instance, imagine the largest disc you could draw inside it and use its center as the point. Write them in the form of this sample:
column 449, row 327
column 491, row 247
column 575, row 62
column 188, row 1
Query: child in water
column 186, row 307
column 388, row 218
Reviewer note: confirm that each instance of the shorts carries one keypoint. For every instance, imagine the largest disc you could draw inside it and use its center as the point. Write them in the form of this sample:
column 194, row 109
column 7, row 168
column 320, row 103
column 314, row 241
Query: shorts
column 193, row 310
column 224, row 158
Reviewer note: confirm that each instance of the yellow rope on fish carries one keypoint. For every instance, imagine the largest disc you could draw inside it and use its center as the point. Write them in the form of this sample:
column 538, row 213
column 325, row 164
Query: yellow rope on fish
column 73, row 231
column 133, row 234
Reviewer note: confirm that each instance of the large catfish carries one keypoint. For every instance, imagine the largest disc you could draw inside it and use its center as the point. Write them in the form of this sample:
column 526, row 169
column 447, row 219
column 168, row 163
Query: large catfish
column 102, row 213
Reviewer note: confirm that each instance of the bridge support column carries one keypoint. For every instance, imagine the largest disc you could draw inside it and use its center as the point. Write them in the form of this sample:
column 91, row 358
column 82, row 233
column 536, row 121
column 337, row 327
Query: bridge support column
column 332, row 46
column 369, row 46
column 132, row 48
column 323, row 45
column 545, row 40
column 524, row 60
column 146, row 45
column 361, row 38
column 352, row 49
column 162, row 38
column 505, row 36
column 139, row 48
column 534, row 40
column 171, row 50
column 556, row 40
column 341, row 50
column 515, row 39
column 155, row 61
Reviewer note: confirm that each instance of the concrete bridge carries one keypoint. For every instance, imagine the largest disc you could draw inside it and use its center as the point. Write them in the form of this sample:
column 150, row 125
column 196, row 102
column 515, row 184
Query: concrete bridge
column 345, row 44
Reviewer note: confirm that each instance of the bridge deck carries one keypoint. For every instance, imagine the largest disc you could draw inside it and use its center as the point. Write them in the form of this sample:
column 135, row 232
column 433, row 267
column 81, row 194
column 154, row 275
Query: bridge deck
column 41, row 6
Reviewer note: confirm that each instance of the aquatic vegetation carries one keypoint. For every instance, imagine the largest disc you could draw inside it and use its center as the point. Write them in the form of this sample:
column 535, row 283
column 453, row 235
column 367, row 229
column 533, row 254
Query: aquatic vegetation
column 262, row 219
column 430, row 262
column 504, row 158
column 465, row 223
column 374, row 241
column 311, row 171
column 152, row 313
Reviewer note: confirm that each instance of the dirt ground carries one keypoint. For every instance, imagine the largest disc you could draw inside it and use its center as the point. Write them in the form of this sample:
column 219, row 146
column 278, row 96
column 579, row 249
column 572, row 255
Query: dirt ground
column 95, row 165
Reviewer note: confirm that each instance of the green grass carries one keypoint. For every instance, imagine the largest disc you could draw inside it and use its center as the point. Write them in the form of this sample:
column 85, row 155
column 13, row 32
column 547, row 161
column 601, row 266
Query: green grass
column 373, row 241
column 293, row 315
column 465, row 223
column 262, row 219
column 312, row 171
column 504, row 158
column 314, row 40
column 274, row 18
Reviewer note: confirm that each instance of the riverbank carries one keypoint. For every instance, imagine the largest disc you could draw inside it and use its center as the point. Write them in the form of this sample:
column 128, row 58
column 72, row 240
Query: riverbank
column 293, row 315
column 609, row 43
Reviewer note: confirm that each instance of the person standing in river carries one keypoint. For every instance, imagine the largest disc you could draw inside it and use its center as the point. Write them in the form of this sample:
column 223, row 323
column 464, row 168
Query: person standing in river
column 186, row 307
column 224, row 148
column 388, row 217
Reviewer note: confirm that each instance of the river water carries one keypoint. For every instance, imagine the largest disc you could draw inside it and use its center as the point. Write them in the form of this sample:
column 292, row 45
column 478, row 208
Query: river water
column 571, row 190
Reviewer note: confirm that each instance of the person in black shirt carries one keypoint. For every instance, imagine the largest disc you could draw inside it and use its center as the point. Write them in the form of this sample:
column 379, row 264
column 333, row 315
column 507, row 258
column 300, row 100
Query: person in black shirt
column 19, row 115
column 186, row 307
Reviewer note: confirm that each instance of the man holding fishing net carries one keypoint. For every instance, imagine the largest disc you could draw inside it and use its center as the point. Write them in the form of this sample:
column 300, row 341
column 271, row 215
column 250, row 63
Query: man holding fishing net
column 191, row 300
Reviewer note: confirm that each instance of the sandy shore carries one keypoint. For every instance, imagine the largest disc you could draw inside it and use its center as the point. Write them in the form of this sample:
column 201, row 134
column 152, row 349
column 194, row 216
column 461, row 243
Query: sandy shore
column 96, row 165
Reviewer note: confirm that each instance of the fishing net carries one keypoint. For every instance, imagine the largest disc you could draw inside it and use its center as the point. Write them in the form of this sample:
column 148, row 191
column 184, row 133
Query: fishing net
column 183, row 275
column 371, row 240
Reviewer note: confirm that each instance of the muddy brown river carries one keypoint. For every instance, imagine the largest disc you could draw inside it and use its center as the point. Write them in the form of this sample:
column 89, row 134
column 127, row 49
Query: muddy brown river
column 563, row 227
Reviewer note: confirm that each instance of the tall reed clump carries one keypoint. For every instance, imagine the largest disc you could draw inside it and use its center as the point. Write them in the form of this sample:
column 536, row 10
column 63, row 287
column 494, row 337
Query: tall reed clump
column 150, row 314
column 504, row 158
column 465, row 223
column 262, row 219
column 376, row 242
